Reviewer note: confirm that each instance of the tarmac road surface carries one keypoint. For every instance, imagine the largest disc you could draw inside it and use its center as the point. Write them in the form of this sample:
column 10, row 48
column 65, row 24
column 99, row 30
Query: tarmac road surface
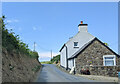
column 50, row 73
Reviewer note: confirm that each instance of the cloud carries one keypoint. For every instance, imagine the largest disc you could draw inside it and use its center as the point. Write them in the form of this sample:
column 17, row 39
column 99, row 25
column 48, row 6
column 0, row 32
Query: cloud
column 9, row 21
column 16, row 20
column 44, row 59
column 34, row 28
column 37, row 28
column 12, row 20
column 47, row 54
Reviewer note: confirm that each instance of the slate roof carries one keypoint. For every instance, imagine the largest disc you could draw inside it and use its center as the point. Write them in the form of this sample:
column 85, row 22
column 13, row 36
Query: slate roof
column 86, row 45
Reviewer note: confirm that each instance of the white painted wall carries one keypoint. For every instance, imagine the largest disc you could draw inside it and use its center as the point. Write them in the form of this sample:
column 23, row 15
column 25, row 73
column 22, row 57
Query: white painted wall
column 70, row 63
column 63, row 60
column 74, row 62
column 82, row 28
column 82, row 37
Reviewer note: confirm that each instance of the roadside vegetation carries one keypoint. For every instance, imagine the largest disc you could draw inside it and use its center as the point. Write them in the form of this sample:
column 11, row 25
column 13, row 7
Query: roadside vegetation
column 36, row 68
column 12, row 42
column 54, row 60
column 19, row 63
column 46, row 62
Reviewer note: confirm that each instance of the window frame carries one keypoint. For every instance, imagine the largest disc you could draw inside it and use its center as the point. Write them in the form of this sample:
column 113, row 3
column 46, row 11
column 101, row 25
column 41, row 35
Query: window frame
column 114, row 59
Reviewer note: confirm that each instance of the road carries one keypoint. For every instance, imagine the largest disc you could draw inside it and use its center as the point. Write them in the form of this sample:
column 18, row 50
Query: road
column 50, row 73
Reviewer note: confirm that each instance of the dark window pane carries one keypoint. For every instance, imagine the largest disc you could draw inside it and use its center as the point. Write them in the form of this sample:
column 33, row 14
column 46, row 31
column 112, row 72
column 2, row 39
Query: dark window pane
column 75, row 43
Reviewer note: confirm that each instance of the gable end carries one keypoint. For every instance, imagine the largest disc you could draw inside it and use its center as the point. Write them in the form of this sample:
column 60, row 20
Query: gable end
column 88, row 44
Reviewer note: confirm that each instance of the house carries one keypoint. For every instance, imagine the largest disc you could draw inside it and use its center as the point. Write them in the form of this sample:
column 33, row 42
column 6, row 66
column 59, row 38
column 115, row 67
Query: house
column 84, row 51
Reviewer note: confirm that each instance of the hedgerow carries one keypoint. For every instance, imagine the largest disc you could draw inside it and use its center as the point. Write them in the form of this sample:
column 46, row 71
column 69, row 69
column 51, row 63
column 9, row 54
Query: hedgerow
column 11, row 42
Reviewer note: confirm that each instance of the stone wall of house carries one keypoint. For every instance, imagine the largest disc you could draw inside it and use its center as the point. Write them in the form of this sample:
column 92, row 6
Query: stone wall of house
column 92, row 58
column 102, row 70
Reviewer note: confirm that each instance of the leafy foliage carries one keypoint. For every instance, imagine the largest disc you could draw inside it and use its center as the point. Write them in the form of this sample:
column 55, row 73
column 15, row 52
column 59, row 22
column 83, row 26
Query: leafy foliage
column 11, row 42
column 33, row 54
column 106, row 44
column 55, row 59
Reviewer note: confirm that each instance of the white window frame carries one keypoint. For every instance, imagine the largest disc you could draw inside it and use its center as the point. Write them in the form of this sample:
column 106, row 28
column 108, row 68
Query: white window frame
column 114, row 59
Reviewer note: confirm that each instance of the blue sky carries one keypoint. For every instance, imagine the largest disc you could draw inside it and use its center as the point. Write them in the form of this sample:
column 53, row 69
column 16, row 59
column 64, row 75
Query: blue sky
column 51, row 24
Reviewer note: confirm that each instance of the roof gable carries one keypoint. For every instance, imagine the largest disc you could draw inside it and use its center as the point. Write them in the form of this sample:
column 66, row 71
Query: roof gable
column 81, row 37
column 87, row 45
column 62, row 48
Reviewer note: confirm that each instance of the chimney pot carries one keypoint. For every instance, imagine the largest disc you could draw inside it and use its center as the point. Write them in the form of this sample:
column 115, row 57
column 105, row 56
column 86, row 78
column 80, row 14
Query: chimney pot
column 81, row 22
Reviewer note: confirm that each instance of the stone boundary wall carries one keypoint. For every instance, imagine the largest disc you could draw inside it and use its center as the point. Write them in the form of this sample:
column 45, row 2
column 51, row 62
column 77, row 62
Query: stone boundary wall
column 111, row 71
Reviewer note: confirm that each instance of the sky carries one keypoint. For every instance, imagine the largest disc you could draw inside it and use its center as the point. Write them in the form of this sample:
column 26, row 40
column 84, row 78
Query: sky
column 51, row 24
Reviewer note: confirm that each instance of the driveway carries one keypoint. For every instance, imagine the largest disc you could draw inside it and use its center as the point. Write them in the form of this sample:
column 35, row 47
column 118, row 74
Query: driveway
column 50, row 73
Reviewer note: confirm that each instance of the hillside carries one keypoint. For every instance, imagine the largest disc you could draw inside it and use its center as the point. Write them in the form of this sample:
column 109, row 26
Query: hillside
column 19, row 63
column 18, row 67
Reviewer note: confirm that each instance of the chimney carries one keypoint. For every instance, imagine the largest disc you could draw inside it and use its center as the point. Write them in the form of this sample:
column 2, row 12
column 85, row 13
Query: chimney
column 82, row 27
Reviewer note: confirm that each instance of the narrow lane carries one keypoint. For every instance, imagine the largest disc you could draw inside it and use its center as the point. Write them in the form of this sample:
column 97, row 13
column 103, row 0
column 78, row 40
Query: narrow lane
column 50, row 73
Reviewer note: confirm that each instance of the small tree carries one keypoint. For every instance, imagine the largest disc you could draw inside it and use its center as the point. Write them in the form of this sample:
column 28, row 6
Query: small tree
column 106, row 44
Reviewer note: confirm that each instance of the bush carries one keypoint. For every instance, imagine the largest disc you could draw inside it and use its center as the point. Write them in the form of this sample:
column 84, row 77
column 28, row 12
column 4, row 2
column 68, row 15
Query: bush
column 55, row 59
column 33, row 54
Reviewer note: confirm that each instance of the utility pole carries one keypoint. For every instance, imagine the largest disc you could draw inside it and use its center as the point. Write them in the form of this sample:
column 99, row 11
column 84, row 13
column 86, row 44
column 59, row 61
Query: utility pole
column 51, row 54
column 34, row 46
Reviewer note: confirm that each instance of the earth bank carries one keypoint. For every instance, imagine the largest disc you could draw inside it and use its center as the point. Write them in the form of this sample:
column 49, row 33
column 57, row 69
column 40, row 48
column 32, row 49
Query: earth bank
column 17, row 67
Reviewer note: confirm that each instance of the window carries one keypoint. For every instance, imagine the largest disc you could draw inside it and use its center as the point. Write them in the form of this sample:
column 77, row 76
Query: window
column 75, row 44
column 109, row 60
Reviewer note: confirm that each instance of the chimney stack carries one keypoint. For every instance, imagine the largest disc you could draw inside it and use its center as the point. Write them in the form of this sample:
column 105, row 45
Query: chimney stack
column 82, row 27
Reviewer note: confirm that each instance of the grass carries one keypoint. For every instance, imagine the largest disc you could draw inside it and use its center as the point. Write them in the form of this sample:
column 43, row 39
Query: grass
column 46, row 62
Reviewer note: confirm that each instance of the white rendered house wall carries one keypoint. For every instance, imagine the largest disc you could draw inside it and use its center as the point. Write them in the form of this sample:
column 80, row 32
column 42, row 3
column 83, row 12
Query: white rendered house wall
column 63, row 60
